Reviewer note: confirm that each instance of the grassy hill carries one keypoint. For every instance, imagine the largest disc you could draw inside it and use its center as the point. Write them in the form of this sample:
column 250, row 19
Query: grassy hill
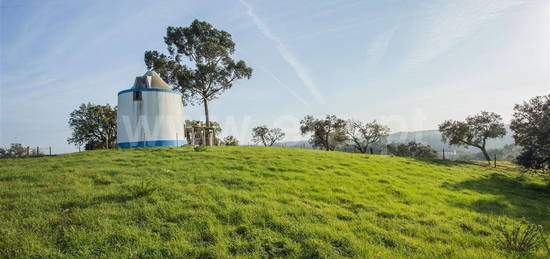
column 255, row 201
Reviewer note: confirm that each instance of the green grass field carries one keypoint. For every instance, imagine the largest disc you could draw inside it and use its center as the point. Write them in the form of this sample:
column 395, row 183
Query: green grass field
column 259, row 202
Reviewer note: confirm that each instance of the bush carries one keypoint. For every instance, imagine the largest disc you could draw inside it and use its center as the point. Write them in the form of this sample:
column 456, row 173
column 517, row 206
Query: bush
column 145, row 188
column 533, row 159
column 412, row 149
column 519, row 236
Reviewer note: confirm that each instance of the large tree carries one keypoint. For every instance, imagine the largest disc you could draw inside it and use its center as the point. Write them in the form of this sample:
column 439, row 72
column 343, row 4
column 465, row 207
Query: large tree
column 94, row 126
column 199, row 63
column 327, row 133
column 474, row 131
column 363, row 134
column 266, row 136
column 531, row 126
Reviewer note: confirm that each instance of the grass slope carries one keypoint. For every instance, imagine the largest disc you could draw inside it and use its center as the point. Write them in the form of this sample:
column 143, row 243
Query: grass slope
column 253, row 201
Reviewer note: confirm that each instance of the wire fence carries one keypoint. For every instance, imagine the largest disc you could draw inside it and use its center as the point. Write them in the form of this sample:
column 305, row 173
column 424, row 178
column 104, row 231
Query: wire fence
column 39, row 151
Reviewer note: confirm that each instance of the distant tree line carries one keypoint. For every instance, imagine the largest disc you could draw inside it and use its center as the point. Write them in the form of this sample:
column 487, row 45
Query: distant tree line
column 331, row 133
column 16, row 150
column 530, row 124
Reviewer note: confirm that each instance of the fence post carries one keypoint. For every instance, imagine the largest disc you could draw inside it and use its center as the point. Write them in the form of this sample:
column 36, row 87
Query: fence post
column 37, row 150
column 443, row 153
column 495, row 160
column 28, row 151
column 50, row 148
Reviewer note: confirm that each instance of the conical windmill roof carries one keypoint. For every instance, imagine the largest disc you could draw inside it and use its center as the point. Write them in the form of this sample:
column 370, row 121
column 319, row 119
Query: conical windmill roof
column 150, row 80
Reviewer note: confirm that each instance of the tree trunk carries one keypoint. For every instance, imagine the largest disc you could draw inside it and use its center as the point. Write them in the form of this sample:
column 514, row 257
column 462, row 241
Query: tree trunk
column 206, row 113
column 365, row 148
column 357, row 145
column 485, row 154
column 207, row 121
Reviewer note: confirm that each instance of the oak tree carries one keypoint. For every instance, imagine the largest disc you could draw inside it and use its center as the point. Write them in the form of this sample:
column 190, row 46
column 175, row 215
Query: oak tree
column 266, row 136
column 327, row 133
column 94, row 126
column 230, row 141
column 531, row 126
column 364, row 134
column 474, row 131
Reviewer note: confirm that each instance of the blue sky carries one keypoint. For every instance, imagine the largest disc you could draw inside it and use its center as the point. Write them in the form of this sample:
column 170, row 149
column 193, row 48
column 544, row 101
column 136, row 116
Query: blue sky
column 410, row 64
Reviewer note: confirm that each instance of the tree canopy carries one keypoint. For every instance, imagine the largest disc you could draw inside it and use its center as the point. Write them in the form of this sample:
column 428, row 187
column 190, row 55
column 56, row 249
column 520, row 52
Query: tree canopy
column 266, row 136
column 230, row 141
column 363, row 134
column 474, row 131
column 94, row 126
column 531, row 126
column 199, row 63
column 327, row 133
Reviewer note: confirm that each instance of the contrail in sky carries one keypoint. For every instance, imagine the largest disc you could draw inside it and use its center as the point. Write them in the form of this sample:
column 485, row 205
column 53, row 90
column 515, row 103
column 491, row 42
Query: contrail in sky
column 285, row 86
column 298, row 67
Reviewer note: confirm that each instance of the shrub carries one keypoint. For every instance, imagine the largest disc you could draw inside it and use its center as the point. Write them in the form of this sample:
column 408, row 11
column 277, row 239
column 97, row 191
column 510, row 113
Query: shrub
column 412, row 149
column 519, row 236
column 145, row 188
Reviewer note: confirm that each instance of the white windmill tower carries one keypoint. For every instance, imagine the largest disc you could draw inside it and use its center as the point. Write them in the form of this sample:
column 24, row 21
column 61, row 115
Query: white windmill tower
column 150, row 114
